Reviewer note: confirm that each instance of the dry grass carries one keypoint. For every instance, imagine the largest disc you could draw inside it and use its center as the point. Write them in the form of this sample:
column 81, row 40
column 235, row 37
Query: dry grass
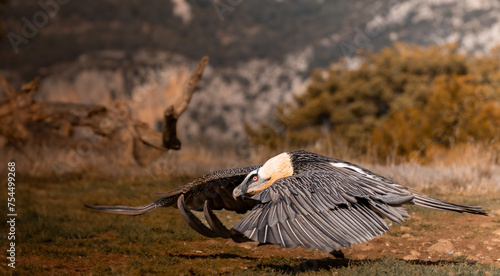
column 465, row 169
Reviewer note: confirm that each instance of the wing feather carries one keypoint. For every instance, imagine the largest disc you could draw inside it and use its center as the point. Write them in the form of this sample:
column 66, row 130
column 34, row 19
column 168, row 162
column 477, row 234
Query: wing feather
column 273, row 217
column 353, row 233
column 325, row 243
column 341, row 236
column 296, row 238
column 323, row 210
column 289, row 238
column 304, row 229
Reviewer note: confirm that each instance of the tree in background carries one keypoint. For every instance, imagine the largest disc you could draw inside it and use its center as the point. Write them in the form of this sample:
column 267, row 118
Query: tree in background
column 398, row 102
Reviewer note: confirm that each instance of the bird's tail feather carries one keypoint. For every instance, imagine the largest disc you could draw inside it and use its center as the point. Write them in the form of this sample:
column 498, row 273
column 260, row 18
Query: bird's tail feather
column 433, row 203
column 134, row 211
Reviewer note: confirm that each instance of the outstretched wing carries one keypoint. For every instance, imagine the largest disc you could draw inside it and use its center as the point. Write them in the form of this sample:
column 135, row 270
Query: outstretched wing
column 322, row 210
column 216, row 188
column 308, row 161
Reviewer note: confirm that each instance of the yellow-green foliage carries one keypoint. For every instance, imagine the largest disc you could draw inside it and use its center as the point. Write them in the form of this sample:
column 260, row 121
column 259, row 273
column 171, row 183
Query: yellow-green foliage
column 397, row 102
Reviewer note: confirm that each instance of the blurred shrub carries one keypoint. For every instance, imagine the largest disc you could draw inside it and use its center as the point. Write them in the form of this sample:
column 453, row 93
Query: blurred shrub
column 397, row 102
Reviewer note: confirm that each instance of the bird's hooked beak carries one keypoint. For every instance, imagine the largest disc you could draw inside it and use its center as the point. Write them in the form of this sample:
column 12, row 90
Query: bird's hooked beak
column 241, row 189
column 237, row 192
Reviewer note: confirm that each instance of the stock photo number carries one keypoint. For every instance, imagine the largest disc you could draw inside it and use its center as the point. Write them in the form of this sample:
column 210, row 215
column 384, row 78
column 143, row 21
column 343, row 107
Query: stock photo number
column 11, row 214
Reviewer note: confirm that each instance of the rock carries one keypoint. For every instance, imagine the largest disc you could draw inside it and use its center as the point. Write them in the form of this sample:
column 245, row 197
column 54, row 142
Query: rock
column 410, row 258
column 496, row 232
column 442, row 247
column 406, row 236
column 211, row 242
column 246, row 245
column 360, row 257
column 404, row 228
column 471, row 247
column 415, row 253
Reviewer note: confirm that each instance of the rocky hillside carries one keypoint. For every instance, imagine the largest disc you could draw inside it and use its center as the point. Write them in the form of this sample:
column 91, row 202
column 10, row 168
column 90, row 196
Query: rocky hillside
column 261, row 52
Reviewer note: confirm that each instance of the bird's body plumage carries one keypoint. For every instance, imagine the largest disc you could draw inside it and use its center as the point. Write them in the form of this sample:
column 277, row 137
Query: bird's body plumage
column 295, row 199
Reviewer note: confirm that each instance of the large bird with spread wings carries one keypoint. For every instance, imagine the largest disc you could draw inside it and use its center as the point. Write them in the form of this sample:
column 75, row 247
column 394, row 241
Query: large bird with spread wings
column 296, row 198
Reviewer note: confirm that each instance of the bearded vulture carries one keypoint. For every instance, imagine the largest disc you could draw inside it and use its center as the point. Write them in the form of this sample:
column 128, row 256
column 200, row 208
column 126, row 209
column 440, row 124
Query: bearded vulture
column 296, row 198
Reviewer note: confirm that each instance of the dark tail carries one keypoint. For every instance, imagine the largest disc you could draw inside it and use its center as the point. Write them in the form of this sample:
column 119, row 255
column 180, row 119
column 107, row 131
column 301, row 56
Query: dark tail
column 433, row 203
column 134, row 211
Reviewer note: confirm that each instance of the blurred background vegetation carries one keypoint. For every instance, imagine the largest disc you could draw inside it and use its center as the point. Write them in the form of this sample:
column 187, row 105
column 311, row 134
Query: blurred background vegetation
column 405, row 103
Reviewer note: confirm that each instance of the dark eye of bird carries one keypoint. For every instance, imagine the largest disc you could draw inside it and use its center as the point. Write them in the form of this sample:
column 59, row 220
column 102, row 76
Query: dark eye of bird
column 255, row 178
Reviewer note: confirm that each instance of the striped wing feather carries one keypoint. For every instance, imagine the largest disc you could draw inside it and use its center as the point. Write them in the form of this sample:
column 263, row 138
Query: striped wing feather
column 308, row 161
column 321, row 210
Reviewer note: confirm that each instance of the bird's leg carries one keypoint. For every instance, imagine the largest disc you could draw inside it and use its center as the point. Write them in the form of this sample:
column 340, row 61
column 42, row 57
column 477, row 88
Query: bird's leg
column 219, row 228
column 338, row 254
column 193, row 221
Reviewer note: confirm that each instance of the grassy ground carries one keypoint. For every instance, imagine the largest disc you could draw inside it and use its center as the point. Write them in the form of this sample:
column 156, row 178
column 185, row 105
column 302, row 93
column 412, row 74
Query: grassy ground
column 56, row 235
